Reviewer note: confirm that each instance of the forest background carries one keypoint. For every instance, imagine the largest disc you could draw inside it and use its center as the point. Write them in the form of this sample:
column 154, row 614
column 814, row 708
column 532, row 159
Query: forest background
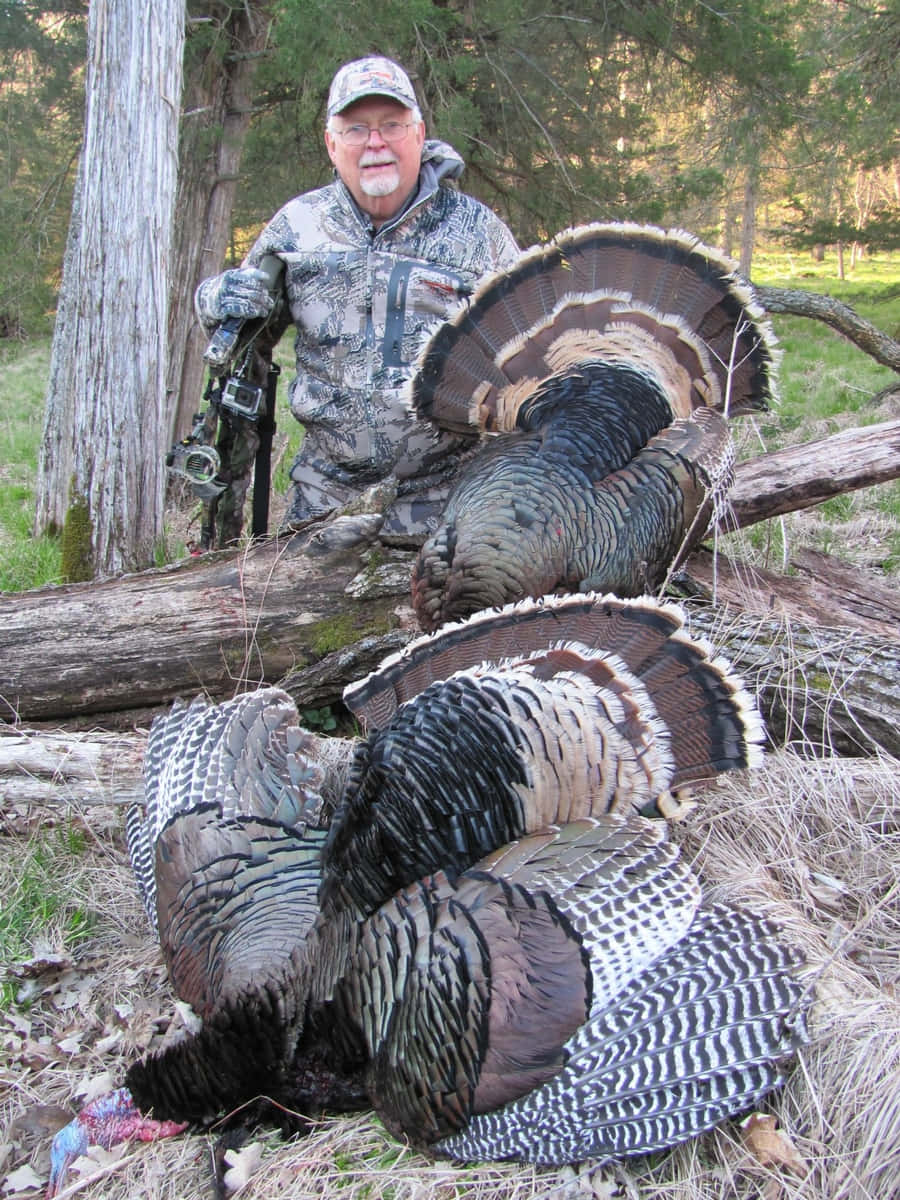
column 756, row 125
column 767, row 128
column 745, row 122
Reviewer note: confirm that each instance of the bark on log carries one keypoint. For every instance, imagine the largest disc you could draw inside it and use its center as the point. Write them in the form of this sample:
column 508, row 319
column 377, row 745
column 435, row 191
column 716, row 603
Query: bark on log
column 317, row 612
column 819, row 649
column 221, row 624
column 72, row 768
column 801, row 476
column 822, row 690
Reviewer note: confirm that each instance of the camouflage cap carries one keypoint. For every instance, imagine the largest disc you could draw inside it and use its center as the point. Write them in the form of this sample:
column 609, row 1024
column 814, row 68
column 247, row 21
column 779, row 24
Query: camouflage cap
column 369, row 77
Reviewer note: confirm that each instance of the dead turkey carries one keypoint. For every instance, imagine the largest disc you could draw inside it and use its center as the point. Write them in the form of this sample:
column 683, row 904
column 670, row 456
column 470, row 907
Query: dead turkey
column 475, row 932
column 600, row 368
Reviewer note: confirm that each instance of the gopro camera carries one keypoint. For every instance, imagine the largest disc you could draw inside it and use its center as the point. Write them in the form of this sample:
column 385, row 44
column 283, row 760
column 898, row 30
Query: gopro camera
column 243, row 398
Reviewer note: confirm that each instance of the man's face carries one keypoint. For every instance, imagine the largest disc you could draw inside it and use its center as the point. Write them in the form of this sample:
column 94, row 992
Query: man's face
column 378, row 175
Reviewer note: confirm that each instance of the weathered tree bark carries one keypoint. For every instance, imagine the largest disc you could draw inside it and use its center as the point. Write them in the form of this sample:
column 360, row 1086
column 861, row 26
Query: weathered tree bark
column 748, row 219
column 801, row 476
column 821, row 591
column 839, row 316
column 219, row 74
column 106, row 422
column 221, row 624
column 819, row 648
column 79, row 768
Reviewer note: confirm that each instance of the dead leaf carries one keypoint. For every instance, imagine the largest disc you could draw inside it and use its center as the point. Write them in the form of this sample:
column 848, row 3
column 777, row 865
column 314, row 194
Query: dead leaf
column 90, row 1087
column 20, row 1024
column 39, row 1120
column 22, row 1180
column 770, row 1146
column 43, row 963
column 192, row 1022
column 241, row 1165
column 105, row 1044
column 71, row 1044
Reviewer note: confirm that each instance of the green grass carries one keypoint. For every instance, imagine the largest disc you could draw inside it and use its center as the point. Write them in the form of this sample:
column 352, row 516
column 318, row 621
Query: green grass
column 38, row 904
column 823, row 376
column 25, row 561
column 827, row 384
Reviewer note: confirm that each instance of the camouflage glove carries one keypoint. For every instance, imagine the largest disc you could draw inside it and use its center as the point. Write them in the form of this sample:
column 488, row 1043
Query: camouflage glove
column 241, row 292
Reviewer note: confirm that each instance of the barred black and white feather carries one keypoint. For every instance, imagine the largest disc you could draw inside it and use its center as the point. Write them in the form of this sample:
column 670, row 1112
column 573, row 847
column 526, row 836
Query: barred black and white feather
column 227, row 853
column 569, row 998
column 245, row 757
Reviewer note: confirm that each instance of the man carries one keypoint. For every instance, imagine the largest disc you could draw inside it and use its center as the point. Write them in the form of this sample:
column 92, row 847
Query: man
column 374, row 262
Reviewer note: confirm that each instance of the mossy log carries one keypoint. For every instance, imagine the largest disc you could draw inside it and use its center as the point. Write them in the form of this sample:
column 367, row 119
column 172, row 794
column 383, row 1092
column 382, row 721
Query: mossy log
column 218, row 624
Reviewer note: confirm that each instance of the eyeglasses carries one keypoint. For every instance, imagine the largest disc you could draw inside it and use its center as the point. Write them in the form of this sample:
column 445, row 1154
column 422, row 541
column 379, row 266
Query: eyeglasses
column 390, row 131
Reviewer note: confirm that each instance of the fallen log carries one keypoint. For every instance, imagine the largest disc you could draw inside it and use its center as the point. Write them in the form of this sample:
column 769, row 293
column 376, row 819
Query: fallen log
column 317, row 610
column 220, row 623
column 70, row 768
column 804, row 475
column 818, row 649
column 821, row 590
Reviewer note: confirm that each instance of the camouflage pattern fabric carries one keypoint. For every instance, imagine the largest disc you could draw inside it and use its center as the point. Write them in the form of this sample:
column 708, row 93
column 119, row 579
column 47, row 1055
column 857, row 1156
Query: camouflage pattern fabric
column 237, row 444
column 364, row 302
column 237, row 440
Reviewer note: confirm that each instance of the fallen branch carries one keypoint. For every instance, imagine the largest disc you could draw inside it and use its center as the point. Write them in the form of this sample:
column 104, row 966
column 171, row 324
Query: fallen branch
column 839, row 316
column 82, row 768
column 319, row 610
column 802, row 476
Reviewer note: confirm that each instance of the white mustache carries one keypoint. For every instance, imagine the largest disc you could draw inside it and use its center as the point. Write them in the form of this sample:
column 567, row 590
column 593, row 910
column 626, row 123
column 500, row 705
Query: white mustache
column 377, row 158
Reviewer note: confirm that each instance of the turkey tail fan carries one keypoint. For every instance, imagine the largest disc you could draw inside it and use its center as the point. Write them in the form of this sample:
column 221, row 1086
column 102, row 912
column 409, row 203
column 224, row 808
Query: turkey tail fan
column 660, row 300
column 244, row 756
column 647, row 637
column 489, row 752
column 630, row 626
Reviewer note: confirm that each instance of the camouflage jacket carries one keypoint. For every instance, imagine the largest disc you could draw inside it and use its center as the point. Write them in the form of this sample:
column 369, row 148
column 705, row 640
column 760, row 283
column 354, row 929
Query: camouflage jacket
column 364, row 302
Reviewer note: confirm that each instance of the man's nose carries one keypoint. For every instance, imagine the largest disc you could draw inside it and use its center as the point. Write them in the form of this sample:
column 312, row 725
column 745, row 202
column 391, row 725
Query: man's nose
column 375, row 137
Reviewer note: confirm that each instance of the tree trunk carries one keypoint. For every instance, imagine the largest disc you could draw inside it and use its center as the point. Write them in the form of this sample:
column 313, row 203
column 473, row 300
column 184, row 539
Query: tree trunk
column 106, row 422
column 217, row 111
column 748, row 223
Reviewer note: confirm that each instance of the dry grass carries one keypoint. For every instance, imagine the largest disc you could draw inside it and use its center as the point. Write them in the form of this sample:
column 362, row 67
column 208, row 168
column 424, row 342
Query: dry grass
column 814, row 843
